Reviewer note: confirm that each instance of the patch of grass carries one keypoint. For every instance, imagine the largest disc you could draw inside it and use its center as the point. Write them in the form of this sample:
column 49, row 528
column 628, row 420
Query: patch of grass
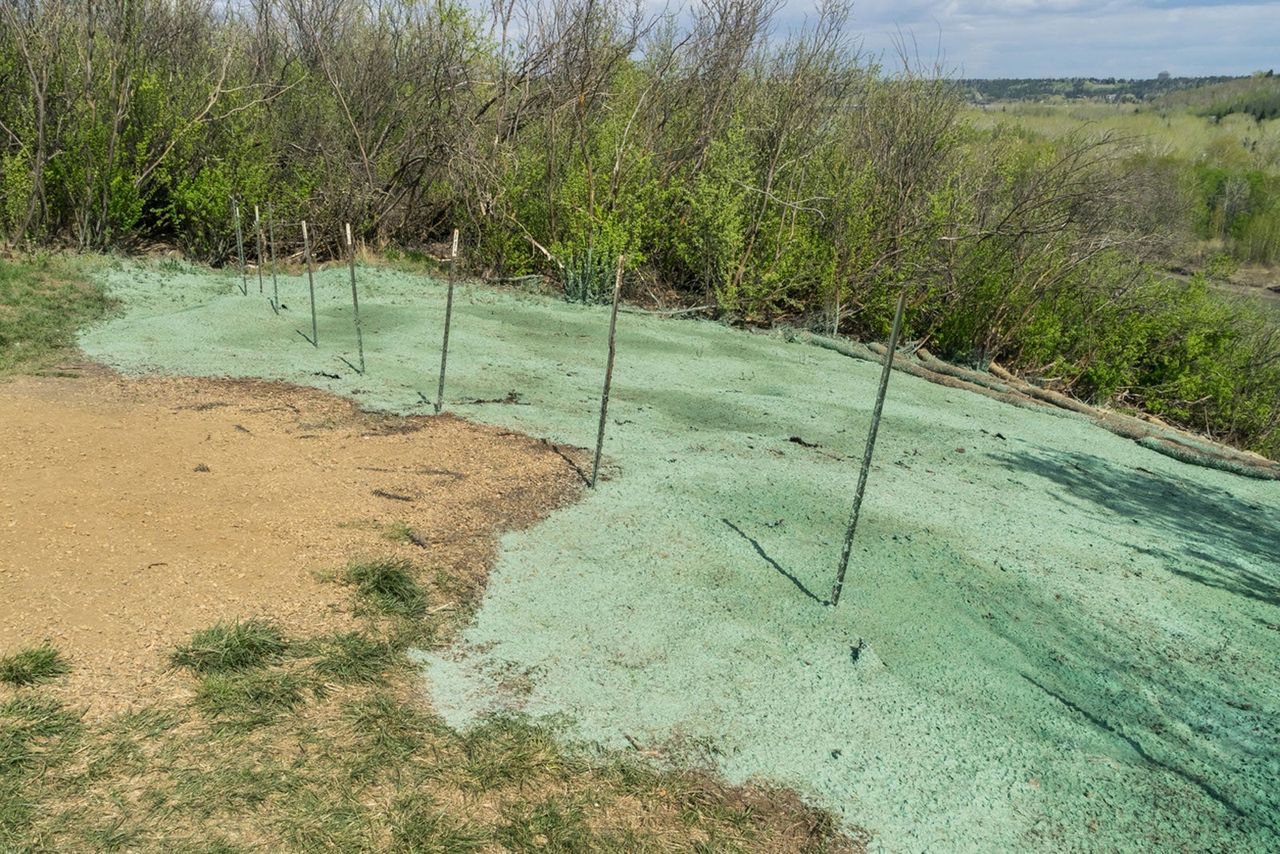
column 419, row 826
column 553, row 825
column 33, row 729
column 111, row 835
column 388, row 585
column 387, row 732
column 244, row 701
column 355, row 657
column 238, row 645
column 236, row 782
column 399, row 532
column 33, row 666
column 43, row 301
column 507, row 750
column 16, row 812
column 36, row 735
column 327, row 818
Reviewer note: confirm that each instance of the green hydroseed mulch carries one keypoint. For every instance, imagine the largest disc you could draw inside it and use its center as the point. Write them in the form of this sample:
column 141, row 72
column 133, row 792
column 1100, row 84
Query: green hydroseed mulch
column 1050, row 637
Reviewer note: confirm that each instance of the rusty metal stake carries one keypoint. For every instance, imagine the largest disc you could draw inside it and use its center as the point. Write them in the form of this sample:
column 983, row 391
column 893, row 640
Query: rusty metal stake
column 271, row 231
column 311, row 283
column 448, row 319
column 355, row 299
column 244, row 281
column 257, row 226
column 870, row 449
column 608, row 371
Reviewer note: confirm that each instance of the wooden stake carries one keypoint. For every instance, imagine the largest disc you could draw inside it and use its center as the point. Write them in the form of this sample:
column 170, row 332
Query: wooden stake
column 871, row 446
column 257, row 226
column 311, row 282
column 271, row 231
column 355, row 298
column 244, row 281
column 608, row 371
column 448, row 317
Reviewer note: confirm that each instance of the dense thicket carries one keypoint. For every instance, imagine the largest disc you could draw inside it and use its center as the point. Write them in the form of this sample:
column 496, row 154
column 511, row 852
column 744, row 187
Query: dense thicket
column 767, row 177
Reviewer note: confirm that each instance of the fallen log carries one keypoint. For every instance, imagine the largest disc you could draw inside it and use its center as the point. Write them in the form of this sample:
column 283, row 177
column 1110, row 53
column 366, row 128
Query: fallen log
column 1001, row 384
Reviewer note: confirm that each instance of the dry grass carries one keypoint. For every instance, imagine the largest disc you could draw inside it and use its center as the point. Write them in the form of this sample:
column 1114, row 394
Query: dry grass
column 323, row 744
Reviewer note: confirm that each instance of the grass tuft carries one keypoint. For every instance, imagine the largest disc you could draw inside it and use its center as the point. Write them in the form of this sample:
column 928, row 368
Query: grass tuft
column 555, row 824
column 33, row 666
column 507, row 749
column 388, row 730
column 225, row 647
column 399, row 532
column 355, row 657
column 244, row 701
column 33, row 729
column 388, row 585
column 419, row 826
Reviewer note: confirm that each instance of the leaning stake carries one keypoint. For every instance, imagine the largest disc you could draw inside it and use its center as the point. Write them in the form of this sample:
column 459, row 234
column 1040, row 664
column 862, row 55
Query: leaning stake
column 355, row 299
column 871, row 446
column 257, row 226
column 311, row 282
column 244, row 281
column 271, row 232
column 608, row 372
column 448, row 316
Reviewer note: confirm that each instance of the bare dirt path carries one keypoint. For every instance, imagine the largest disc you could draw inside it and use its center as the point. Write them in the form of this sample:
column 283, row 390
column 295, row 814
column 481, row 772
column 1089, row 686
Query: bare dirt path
column 133, row 512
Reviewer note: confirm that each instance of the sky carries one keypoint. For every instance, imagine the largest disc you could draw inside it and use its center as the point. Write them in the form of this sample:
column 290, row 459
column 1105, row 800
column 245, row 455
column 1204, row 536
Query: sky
column 1073, row 38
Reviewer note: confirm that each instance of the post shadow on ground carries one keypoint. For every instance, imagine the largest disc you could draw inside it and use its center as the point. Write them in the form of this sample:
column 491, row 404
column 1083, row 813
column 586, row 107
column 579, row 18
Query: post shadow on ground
column 774, row 564
column 1208, row 535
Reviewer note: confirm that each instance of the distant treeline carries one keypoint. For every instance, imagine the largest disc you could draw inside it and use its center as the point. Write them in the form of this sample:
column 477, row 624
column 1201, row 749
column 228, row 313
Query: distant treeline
column 1082, row 88
column 1257, row 96
column 775, row 179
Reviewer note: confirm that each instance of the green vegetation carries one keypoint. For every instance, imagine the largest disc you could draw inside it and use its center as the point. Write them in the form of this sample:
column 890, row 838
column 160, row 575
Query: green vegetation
column 232, row 646
column 33, row 666
column 388, row 585
column 270, row 756
column 398, row 532
column 43, row 301
column 1257, row 96
column 247, row 700
column 355, row 657
column 773, row 180
column 1082, row 88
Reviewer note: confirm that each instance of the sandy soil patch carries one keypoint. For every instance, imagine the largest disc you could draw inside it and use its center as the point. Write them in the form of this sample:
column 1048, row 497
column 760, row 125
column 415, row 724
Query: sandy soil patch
column 133, row 512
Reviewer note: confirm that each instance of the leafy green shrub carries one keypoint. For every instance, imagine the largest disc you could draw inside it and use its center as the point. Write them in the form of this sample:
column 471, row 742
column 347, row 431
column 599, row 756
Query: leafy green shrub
column 588, row 278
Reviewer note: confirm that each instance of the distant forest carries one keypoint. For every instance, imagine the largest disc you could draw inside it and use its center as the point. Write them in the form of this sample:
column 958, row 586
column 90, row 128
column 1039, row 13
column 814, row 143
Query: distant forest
column 1085, row 88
